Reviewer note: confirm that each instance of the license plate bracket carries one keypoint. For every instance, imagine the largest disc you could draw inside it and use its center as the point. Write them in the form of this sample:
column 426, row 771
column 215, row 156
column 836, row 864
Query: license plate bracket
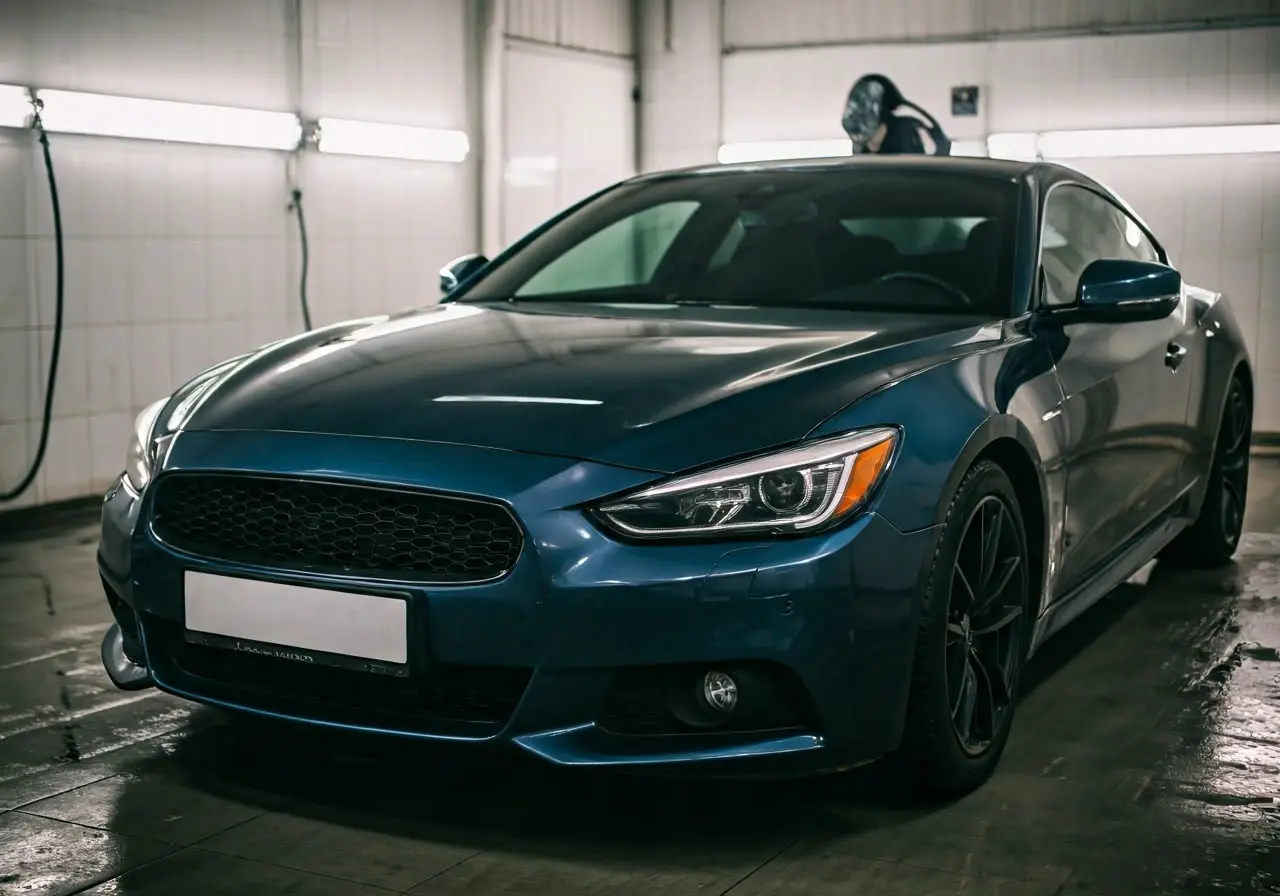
column 302, row 623
column 296, row 654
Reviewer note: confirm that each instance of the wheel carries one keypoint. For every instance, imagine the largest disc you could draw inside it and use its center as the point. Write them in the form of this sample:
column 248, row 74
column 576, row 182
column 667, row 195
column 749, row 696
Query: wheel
column 1213, row 538
column 973, row 639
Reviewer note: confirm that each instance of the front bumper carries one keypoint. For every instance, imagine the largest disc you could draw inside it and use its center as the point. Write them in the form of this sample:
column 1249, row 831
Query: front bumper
column 125, row 673
column 576, row 629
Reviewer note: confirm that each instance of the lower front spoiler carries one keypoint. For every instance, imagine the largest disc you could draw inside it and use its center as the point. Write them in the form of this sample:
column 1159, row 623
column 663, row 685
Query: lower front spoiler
column 123, row 672
column 785, row 753
column 780, row 754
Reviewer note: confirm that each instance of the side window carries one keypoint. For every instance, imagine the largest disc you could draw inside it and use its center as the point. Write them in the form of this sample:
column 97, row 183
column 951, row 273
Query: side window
column 1140, row 246
column 626, row 253
column 1079, row 228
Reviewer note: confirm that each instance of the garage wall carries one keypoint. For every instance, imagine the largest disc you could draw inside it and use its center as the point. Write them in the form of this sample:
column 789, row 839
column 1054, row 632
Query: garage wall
column 177, row 256
column 569, row 130
column 381, row 228
column 680, row 83
column 564, row 72
column 1220, row 215
column 757, row 23
column 602, row 26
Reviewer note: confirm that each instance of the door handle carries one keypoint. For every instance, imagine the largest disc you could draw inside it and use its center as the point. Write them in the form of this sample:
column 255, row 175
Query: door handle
column 1174, row 354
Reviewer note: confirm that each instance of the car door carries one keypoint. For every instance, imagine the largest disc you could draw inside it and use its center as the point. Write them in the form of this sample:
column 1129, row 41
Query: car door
column 1126, row 394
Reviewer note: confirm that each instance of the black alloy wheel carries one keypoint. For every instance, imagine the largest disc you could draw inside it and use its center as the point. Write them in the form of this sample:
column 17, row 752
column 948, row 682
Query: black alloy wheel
column 972, row 643
column 1214, row 536
column 1233, row 446
column 984, row 641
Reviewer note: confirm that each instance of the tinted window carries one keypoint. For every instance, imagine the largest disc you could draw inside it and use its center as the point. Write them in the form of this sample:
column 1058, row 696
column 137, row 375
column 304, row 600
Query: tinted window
column 625, row 253
column 917, row 236
column 1080, row 226
column 874, row 239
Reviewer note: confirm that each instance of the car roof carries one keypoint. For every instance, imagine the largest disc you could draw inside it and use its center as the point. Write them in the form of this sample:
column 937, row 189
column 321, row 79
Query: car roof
column 1037, row 176
column 1001, row 169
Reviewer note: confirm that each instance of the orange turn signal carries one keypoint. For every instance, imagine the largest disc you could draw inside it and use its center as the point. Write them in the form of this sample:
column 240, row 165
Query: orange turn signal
column 868, row 464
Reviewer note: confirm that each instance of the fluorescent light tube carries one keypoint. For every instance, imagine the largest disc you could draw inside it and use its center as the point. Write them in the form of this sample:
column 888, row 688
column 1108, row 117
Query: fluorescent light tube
column 71, row 112
column 1013, row 147
column 390, row 141
column 14, row 106
column 1193, row 141
column 1064, row 145
column 785, row 150
column 969, row 148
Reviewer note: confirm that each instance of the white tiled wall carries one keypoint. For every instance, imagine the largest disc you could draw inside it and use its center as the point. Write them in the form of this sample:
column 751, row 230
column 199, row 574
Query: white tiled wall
column 381, row 228
column 177, row 256
column 1220, row 215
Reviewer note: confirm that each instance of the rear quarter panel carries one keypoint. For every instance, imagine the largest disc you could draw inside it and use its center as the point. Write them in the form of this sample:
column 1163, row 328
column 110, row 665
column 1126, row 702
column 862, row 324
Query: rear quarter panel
column 1225, row 351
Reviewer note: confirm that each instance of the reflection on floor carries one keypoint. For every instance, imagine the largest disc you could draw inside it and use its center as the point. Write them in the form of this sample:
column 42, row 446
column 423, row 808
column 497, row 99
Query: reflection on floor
column 1145, row 759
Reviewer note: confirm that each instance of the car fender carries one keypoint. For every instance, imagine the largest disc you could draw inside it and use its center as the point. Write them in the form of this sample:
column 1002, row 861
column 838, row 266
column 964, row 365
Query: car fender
column 994, row 428
column 953, row 413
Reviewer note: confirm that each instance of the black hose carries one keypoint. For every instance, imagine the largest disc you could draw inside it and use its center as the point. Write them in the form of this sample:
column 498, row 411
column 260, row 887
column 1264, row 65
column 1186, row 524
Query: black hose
column 296, row 205
column 941, row 142
column 47, row 421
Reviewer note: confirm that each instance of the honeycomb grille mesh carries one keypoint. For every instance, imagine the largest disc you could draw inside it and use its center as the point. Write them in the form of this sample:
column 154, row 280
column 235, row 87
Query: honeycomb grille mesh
column 331, row 528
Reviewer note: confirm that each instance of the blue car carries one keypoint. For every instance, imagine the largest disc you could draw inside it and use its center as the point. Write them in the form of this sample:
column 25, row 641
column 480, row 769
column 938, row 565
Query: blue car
column 746, row 470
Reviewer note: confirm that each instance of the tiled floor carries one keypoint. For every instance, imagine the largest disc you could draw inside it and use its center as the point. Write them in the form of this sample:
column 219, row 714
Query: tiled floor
column 1145, row 759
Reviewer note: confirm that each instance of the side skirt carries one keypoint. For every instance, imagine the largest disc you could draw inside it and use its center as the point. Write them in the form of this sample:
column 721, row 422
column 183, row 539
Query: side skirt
column 1116, row 571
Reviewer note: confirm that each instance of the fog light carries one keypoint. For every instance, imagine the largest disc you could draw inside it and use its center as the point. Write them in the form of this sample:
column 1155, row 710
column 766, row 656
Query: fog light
column 719, row 691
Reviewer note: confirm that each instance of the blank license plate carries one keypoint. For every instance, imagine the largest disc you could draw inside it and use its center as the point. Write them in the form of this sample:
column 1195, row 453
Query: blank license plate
column 336, row 622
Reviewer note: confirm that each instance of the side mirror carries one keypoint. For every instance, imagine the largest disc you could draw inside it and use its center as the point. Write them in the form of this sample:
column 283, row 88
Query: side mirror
column 1115, row 290
column 459, row 271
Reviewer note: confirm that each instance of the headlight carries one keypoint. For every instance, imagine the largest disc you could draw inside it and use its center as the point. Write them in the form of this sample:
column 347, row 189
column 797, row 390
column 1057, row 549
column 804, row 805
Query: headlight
column 797, row 490
column 148, row 427
column 137, row 468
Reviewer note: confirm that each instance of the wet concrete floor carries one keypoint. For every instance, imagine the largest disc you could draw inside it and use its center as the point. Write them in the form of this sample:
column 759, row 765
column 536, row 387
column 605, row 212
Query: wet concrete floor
column 1145, row 759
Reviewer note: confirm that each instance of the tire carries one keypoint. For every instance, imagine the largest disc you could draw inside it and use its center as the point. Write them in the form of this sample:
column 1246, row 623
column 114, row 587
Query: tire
column 935, row 756
column 1213, row 538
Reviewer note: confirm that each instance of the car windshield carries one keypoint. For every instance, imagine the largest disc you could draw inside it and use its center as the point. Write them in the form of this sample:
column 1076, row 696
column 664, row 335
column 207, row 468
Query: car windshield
column 866, row 240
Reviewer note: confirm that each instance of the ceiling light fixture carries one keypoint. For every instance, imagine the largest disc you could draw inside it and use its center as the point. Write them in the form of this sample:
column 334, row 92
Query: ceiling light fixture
column 72, row 112
column 15, row 106
column 390, row 141
column 1193, row 141
column 1013, row 147
column 789, row 150
column 1137, row 142
column 976, row 149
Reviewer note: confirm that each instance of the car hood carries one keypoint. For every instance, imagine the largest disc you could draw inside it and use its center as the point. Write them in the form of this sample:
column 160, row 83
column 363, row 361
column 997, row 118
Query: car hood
column 660, row 388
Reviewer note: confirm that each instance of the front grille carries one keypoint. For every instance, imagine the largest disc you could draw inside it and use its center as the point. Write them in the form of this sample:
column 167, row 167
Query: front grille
column 330, row 528
column 439, row 692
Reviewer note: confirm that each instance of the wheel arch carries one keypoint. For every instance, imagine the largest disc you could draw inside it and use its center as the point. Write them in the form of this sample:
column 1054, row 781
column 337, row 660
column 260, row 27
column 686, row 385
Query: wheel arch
column 1245, row 374
column 1004, row 440
column 1226, row 358
column 1216, row 389
column 1242, row 372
